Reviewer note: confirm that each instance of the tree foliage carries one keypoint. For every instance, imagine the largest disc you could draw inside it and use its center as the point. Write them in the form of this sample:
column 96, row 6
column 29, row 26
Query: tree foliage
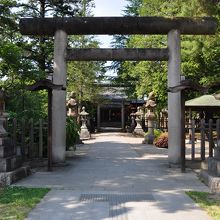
column 24, row 60
column 200, row 54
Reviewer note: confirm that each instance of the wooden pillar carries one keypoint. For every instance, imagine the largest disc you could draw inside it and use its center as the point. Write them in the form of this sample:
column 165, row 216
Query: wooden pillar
column 193, row 140
column 98, row 117
column 202, row 139
column 122, row 116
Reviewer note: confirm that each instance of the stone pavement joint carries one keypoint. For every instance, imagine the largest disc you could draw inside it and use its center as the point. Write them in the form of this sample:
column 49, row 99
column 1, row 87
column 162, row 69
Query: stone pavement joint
column 119, row 198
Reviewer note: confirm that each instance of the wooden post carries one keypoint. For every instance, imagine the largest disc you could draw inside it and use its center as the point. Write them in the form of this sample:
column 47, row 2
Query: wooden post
column 210, row 138
column 14, row 122
column 193, row 139
column 190, row 125
column 183, row 149
column 49, row 152
column 218, row 129
column 202, row 139
column 23, row 145
column 31, row 137
column 40, row 138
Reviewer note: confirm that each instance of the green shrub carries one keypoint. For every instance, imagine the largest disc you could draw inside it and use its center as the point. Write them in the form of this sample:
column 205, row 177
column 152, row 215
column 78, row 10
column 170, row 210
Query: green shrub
column 72, row 132
column 157, row 133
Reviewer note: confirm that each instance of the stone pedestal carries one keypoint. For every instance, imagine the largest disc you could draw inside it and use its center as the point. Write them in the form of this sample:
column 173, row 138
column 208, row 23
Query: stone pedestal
column 84, row 133
column 214, row 163
column 149, row 138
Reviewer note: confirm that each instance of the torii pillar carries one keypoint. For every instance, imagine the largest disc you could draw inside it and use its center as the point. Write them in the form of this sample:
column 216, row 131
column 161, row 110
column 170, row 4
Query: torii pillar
column 59, row 98
column 174, row 99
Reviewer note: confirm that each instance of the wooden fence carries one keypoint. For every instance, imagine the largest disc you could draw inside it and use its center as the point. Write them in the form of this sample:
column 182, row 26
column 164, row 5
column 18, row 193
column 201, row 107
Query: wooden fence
column 29, row 137
column 209, row 134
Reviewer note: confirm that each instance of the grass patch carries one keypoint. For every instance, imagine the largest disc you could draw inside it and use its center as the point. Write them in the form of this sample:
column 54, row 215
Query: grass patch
column 209, row 202
column 16, row 202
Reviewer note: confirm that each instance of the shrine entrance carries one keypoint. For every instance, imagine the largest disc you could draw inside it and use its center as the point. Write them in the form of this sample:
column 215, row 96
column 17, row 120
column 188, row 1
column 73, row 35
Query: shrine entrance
column 110, row 116
column 172, row 27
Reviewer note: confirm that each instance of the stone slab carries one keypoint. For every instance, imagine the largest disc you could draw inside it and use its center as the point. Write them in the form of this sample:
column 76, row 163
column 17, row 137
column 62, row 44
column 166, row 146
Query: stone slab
column 211, row 181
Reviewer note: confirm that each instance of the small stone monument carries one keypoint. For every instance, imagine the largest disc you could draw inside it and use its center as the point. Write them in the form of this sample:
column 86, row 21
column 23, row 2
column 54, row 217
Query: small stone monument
column 84, row 133
column 138, row 129
column 10, row 163
column 150, row 106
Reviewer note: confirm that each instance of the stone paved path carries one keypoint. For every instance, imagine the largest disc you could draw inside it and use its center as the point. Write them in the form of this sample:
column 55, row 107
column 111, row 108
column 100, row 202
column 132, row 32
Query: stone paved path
column 114, row 176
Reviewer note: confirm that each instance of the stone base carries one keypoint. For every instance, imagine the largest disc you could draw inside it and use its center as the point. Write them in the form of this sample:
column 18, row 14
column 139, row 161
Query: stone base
column 6, row 151
column 204, row 165
column 84, row 134
column 148, row 139
column 10, row 163
column 211, row 181
column 7, row 178
column 174, row 165
column 139, row 132
column 70, row 153
column 214, row 166
column 217, row 153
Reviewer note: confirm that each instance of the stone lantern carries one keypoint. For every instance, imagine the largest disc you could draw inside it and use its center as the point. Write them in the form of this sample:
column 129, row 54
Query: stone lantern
column 138, row 129
column 72, row 106
column 150, row 105
column 133, row 123
column 11, row 168
column 84, row 133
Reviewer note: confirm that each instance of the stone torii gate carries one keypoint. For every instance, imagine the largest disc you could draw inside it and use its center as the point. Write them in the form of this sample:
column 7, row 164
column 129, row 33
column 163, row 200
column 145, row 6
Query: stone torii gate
column 61, row 27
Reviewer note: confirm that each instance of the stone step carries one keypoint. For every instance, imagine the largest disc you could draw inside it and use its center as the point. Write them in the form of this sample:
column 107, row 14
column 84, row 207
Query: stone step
column 10, row 163
column 7, row 178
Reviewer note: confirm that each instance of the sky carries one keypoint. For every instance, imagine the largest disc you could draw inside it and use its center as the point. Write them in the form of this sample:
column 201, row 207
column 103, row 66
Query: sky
column 108, row 8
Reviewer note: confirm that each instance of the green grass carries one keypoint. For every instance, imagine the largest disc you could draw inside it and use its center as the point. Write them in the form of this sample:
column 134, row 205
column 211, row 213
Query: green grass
column 16, row 202
column 209, row 202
